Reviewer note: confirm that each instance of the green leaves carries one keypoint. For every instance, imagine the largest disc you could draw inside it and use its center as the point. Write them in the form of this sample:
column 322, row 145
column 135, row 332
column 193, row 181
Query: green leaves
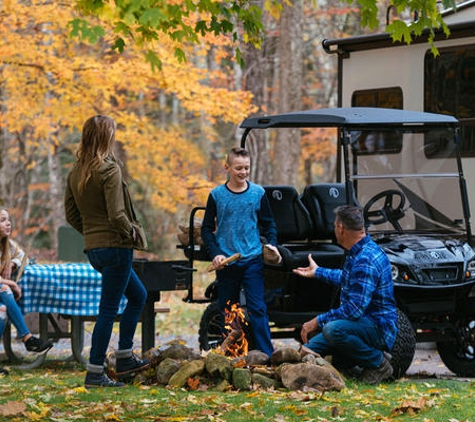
column 84, row 30
column 144, row 21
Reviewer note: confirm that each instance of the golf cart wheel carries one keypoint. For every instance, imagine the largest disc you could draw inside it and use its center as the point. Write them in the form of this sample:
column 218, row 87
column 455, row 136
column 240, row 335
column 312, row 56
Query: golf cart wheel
column 459, row 354
column 404, row 346
column 210, row 333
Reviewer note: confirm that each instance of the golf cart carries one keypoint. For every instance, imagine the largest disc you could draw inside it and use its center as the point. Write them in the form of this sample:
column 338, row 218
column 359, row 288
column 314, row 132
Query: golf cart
column 404, row 169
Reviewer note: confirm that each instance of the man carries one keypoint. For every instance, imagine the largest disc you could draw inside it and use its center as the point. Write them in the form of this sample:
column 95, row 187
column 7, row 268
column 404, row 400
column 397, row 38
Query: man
column 364, row 326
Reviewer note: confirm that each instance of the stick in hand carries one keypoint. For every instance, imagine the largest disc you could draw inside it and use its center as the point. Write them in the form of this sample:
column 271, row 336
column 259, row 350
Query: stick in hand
column 227, row 261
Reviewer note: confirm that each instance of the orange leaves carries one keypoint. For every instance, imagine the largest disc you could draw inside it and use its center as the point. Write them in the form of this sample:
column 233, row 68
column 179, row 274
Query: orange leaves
column 412, row 406
column 51, row 83
column 12, row 408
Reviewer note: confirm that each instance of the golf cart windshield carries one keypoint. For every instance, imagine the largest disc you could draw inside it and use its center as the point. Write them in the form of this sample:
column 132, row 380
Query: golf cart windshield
column 407, row 180
column 402, row 166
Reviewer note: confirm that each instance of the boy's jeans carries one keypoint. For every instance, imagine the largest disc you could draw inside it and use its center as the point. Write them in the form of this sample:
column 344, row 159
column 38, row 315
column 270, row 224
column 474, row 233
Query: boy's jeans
column 248, row 275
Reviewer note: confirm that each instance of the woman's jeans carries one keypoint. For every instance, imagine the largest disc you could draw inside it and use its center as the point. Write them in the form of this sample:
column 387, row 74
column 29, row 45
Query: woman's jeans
column 351, row 343
column 249, row 276
column 118, row 279
column 13, row 311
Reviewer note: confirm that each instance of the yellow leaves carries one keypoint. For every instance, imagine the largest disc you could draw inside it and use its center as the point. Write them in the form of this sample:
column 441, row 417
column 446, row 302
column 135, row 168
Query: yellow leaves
column 80, row 390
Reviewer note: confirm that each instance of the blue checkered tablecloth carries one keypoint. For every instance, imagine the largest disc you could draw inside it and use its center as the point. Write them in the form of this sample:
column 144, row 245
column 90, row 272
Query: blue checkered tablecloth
column 69, row 289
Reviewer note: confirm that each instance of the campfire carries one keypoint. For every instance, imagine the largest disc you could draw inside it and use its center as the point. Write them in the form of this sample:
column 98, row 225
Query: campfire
column 235, row 343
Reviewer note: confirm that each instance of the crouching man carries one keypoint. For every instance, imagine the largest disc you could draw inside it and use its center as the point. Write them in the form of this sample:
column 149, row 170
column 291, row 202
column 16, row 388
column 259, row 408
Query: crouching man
column 362, row 330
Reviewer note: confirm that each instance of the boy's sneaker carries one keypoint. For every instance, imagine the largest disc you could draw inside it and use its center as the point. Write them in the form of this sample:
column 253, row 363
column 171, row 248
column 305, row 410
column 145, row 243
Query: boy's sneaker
column 377, row 375
column 127, row 368
column 94, row 380
column 36, row 345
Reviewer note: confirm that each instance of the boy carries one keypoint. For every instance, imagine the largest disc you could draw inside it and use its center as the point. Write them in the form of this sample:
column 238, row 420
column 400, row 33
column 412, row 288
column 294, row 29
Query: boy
column 235, row 212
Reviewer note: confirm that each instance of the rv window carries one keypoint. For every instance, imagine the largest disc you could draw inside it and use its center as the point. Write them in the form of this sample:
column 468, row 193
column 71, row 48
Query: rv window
column 382, row 97
column 449, row 88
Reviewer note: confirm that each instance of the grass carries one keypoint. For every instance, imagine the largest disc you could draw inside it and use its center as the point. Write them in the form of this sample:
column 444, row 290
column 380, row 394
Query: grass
column 55, row 392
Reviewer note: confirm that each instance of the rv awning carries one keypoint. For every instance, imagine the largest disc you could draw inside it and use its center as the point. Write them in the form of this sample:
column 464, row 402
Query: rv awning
column 383, row 40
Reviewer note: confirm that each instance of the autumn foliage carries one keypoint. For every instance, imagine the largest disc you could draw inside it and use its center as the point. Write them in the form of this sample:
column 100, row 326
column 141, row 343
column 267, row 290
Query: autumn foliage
column 51, row 83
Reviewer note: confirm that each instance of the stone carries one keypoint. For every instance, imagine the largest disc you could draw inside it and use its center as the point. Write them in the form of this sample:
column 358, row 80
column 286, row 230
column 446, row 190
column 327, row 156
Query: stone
column 242, row 379
column 259, row 380
column 264, row 370
column 308, row 375
column 223, row 385
column 188, row 369
column 219, row 366
column 166, row 369
column 256, row 357
column 285, row 355
column 179, row 352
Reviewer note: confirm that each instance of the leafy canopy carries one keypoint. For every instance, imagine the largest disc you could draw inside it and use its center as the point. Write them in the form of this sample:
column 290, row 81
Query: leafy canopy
column 144, row 22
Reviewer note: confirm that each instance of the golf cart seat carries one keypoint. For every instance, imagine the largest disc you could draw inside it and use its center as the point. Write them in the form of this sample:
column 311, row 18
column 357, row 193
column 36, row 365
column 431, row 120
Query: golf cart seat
column 295, row 229
column 291, row 217
column 321, row 200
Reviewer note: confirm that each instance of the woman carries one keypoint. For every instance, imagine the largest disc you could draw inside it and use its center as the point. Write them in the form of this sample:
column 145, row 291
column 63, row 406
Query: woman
column 11, row 257
column 98, row 205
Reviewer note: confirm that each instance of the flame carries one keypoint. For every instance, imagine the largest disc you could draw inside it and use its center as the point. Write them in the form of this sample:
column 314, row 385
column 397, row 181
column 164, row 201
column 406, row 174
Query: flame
column 235, row 343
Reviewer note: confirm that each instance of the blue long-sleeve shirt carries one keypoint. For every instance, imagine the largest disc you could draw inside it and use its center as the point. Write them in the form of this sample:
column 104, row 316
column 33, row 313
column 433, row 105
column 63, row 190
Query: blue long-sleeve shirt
column 366, row 289
column 232, row 222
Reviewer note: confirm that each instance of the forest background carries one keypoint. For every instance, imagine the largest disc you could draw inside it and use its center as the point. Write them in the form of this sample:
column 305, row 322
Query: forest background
column 176, row 118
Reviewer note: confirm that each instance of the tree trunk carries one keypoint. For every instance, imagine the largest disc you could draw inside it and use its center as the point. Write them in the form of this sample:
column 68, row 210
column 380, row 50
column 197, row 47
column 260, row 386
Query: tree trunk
column 287, row 146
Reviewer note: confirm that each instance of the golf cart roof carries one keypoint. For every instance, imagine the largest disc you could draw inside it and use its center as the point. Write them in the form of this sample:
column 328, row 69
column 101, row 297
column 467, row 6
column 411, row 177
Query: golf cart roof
column 350, row 116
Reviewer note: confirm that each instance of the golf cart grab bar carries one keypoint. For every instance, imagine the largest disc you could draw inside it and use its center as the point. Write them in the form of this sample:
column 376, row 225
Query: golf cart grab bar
column 404, row 176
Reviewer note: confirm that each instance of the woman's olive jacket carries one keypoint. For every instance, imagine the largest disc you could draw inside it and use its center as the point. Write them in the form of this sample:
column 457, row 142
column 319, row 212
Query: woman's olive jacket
column 103, row 211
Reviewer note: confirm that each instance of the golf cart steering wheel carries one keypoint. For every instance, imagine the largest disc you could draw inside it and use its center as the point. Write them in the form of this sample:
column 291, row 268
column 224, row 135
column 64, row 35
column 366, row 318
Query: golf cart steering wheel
column 388, row 212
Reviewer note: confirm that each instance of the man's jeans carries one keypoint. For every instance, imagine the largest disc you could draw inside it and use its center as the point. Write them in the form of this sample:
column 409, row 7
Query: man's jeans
column 248, row 275
column 118, row 278
column 13, row 311
column 351, row 343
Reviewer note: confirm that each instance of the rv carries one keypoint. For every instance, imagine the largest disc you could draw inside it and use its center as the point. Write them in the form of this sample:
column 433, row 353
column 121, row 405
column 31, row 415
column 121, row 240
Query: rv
column 374, row 71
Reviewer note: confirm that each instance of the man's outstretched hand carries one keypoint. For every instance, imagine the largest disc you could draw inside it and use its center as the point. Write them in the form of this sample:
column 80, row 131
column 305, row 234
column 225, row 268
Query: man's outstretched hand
column 309, row 271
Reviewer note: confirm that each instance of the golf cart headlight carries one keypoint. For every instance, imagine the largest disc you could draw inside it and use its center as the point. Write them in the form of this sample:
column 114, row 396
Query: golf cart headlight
column 471, row 269
column 394, row 272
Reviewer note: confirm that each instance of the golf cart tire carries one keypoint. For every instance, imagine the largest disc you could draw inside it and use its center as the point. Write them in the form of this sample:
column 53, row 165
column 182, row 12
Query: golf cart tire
column 459, row 354
column 404, row 347
column 210, row 333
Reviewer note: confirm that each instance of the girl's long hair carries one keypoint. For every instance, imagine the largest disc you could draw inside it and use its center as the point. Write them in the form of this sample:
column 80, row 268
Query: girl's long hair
column 97, row 140
column 4, row 251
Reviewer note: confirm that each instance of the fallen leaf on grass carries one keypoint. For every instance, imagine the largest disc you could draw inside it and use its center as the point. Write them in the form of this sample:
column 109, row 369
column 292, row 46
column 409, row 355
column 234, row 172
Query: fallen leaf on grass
column 193, row 383
column 410, row 407
column 12, row 408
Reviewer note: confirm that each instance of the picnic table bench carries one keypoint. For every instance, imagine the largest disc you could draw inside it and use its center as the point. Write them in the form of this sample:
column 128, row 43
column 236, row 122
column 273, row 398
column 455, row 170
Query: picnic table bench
column 72, row 291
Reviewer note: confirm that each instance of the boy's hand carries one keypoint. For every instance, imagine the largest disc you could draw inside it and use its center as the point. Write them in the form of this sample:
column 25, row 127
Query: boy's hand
column 272, row 255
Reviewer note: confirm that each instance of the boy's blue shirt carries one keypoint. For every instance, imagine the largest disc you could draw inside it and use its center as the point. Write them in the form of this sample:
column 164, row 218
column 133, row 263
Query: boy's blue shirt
column 237, row 219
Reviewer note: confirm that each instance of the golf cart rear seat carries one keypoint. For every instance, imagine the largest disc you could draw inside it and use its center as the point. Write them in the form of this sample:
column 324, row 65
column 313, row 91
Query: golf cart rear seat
column 303, row 230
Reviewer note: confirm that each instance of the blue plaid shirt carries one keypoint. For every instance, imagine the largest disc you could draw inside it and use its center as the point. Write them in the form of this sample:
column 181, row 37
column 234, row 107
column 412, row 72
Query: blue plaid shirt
column 366, row 289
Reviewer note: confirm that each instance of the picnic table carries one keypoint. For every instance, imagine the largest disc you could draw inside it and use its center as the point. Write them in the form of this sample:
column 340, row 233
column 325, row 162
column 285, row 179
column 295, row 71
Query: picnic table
column 72, row 291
